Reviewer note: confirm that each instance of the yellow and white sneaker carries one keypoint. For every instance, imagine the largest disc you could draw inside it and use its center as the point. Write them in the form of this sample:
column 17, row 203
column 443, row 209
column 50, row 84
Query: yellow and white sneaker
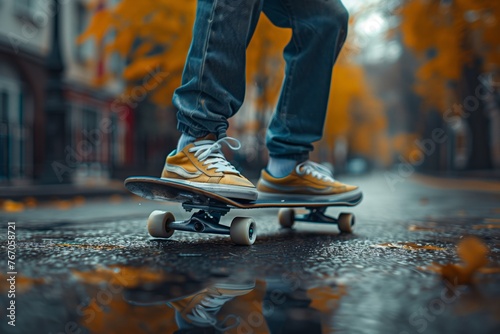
column 202, row 164
column 307, row 179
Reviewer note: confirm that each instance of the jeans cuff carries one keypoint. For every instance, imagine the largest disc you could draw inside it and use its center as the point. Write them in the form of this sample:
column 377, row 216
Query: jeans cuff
column 193, row 132
column 198, row 133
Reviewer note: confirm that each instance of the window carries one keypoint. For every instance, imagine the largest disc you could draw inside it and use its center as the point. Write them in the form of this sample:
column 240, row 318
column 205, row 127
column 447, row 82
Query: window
column 4, row 135
column 26, row 11
column 25, row 6
column 15, row 127
column 83, row 52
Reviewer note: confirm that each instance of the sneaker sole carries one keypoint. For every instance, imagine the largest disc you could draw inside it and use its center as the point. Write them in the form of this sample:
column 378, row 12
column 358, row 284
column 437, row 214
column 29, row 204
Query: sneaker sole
column 310, row 197
column 226, row 190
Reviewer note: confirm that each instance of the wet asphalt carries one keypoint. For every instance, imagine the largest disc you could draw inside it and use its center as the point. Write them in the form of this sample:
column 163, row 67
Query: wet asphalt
column 91, row 267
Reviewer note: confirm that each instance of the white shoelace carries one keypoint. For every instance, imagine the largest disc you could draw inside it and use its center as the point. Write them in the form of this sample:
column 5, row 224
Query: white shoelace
column 209, row 152
column 204, row 314
column 316, row 170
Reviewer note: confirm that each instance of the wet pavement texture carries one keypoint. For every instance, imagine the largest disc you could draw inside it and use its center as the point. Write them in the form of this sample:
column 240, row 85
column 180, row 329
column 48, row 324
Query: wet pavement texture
column 90, row 267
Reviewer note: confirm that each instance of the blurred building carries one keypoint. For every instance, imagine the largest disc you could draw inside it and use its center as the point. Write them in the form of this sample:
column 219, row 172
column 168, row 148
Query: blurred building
column 95, row 133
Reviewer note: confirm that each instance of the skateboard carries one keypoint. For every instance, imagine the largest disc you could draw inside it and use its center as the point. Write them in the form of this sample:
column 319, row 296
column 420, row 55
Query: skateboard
column 210, row 207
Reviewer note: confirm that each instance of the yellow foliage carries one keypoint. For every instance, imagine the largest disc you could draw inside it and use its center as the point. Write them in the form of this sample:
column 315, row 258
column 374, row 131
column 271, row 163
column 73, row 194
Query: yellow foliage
column 110, row 312
column 447, row 37
column 152, row 36
column 141, row 67
column 354, row 112
column 98, row 27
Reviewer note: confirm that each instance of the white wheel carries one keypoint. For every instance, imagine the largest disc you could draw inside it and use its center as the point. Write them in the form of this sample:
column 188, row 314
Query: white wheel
column 345, row 222
column 243, row 231
column 286, row 217
column 158, row 222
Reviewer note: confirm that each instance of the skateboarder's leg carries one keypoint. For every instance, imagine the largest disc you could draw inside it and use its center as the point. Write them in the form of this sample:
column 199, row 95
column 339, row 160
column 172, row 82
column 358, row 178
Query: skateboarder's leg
column 213, row 82
column 212, row 90
column 319, row 30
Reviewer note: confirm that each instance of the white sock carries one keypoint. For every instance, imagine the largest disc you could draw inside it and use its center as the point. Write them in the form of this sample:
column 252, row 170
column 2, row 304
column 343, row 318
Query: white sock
column 184, row 140
column 279, row 167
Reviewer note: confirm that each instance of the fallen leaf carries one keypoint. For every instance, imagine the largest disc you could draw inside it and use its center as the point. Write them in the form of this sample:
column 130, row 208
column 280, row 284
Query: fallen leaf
column 485, row 226
column 414, row 228
column 12, row 206
column 473, row 253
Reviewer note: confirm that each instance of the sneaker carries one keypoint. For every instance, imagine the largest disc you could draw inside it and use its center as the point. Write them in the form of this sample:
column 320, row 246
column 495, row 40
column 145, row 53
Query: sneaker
column 202, row 164
column 308, row 178
column 201, row 309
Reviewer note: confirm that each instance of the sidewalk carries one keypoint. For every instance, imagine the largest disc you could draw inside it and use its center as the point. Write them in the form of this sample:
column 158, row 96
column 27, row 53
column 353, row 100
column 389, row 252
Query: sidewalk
column 62, row 191
column 463, row 183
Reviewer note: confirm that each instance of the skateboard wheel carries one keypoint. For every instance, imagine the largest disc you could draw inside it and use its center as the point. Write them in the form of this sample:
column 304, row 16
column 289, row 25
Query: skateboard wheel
column 158, row 222
column 345, row 222
column 243, row 231
column 286, row 217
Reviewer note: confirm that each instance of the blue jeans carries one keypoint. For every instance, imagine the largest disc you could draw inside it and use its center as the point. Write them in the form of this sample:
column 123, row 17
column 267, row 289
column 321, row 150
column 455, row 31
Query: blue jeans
column 213, row 82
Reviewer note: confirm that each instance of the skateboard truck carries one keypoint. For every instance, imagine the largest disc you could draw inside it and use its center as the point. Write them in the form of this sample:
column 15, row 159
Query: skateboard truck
column 316, row 215
column 287, row 217
column 202, row 222
column 243, row 230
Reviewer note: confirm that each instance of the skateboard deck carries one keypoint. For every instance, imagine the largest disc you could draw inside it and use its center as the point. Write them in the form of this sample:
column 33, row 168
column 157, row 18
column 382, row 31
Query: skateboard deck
column 211, row 207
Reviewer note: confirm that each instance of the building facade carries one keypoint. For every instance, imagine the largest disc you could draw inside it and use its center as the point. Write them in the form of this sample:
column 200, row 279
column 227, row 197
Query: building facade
column 95, row 134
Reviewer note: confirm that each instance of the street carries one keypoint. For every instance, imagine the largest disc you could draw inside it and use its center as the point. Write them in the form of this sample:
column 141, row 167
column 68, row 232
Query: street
column 89, row 266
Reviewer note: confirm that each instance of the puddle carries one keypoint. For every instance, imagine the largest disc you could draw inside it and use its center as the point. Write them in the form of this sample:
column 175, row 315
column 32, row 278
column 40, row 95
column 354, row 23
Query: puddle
column 144, row 300
column 129, row 277
column 22, row 283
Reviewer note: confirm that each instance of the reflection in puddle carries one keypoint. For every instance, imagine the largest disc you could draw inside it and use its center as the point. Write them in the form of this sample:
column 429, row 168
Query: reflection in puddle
column 22, row 283
column 137, row 300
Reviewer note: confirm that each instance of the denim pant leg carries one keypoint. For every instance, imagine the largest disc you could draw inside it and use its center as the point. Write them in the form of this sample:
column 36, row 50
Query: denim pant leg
column 213, row 81
column 319, row 30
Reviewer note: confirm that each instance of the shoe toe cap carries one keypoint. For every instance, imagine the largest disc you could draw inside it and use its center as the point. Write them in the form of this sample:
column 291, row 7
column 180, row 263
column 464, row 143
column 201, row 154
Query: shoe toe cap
column 343, row 187
column 237, row 180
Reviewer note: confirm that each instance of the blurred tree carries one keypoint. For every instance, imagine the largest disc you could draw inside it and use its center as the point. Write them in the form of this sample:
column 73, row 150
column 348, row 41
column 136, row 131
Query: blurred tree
column 151, row 37
column 457, row 41
column 356, row 116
